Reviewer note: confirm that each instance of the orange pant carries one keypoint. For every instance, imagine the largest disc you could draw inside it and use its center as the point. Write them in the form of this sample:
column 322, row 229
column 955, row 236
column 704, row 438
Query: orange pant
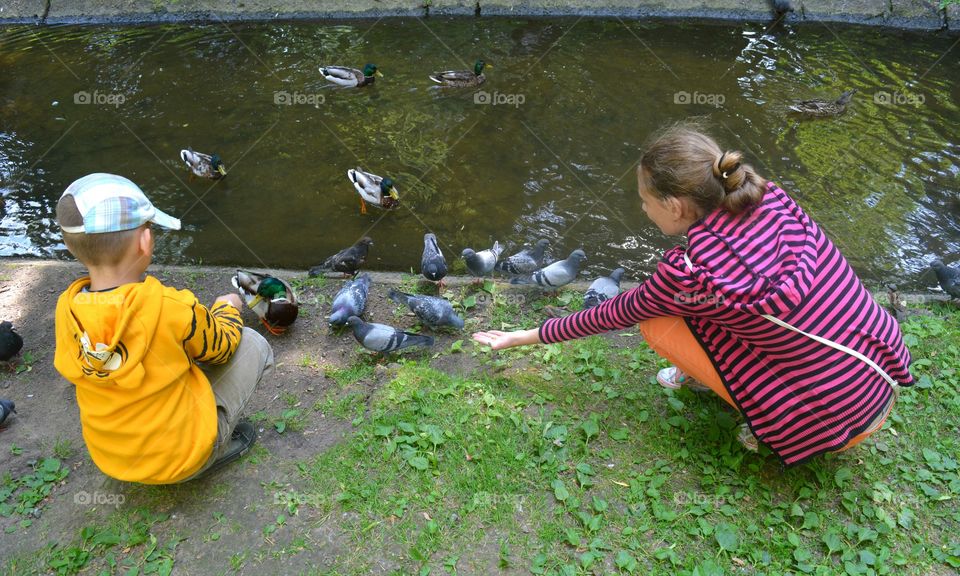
column 671, row 339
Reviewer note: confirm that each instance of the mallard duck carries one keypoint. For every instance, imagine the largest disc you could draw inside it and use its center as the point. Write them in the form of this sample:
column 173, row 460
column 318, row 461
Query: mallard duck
column 351, row 77
column 203, row 165
column 823, row 107
column 462, row 78
column 269, row 297
column 374, row 189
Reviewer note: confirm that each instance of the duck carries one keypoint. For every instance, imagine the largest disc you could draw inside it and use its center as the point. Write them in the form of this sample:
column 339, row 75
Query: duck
column 462, row 78
column 374, row 189
column 821, row 108
column 351, row 77
column 271, row 298
column 203, row 165
column 10, row 341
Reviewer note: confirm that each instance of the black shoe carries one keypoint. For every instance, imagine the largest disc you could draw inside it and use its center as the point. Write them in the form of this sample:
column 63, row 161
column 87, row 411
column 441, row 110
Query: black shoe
column 243, row 437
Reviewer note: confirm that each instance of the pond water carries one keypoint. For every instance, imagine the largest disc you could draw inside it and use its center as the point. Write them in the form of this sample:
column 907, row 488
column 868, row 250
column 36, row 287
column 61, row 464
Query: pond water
column 553, row 156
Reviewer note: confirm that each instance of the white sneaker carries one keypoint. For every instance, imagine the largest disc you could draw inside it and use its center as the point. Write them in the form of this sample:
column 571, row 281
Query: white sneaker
column 674, row 379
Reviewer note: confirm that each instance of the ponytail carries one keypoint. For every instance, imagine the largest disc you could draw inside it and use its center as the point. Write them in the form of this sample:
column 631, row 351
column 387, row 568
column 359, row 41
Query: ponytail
column 683, row 161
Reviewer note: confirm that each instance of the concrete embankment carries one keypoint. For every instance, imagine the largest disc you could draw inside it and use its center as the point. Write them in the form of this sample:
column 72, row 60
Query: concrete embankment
column 911, row 14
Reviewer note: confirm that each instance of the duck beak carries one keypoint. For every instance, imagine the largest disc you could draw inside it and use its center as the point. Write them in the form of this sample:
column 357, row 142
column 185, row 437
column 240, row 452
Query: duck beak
column 256, row 300
column 378, row 73
column 222, row 170
column 485, row 66
column 393, row 194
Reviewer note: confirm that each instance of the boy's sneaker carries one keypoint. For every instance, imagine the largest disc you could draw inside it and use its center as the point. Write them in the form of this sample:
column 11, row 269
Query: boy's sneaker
column 747, row 439
column 674, row 379
column 243, row 437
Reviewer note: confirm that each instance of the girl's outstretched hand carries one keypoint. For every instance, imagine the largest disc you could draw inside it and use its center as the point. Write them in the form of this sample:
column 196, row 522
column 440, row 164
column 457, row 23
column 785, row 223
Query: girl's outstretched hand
column 499, row 340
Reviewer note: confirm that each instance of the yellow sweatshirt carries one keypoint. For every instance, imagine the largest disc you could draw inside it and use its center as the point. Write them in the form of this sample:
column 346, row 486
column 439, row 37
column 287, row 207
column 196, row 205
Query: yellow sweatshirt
column 147, row 410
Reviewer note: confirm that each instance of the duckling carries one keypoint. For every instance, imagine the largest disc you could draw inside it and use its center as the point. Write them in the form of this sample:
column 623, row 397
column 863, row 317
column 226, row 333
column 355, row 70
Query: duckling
column 374, row 189
column 269, row 297
column 822, row 108
column 462, row 78
column 203, row 165
column 351, row 77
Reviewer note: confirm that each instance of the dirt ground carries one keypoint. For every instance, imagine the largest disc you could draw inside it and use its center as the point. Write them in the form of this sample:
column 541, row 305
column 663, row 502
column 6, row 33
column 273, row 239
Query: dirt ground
column 240, row 495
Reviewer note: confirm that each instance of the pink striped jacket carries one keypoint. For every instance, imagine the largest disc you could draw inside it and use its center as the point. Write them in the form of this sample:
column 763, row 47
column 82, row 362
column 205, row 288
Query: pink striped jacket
column 799, row 397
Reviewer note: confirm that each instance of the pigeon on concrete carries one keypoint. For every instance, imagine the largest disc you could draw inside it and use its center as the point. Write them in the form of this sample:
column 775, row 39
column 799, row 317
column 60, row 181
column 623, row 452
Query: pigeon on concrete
column 431, row 310
column 948, row 277
column 351, row 300
column 524, row 262
column 6, row 409
column 349, row 260
column 383, row 338
column 555, row 275
column 432, row 265
column 603, row 289
column 481, row 263
column 10, row 341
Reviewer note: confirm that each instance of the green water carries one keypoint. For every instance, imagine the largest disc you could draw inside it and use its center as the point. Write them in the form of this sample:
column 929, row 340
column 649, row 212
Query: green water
column 882, row 179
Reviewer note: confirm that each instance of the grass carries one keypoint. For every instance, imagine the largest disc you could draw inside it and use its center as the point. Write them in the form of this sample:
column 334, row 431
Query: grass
column 569, row 459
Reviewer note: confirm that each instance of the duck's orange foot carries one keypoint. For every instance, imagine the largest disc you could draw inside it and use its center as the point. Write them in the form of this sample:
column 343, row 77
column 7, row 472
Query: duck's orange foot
column 275, row 330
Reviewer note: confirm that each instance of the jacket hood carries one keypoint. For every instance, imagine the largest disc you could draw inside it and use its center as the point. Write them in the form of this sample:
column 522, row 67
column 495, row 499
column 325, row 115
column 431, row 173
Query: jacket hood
column 767, row 256
column 98, row 323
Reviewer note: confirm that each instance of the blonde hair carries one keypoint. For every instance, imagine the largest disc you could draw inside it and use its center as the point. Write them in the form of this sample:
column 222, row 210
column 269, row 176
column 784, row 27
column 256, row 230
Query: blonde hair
column 683, row 161
column 93, row 249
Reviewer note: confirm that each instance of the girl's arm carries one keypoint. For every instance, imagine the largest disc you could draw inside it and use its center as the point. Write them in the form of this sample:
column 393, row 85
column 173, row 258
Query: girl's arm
column 499, row 340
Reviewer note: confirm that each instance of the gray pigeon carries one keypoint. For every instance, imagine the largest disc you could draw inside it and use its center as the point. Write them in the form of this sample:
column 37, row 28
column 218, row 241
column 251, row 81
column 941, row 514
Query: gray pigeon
column 383, row 338
column 948, row 277
column 6, row 408
column 603, row 289
column 351, row 300
column 481, row 263
column 349, row 260
column 433, row 266
column 555, row 275
column 431, row 310
column 525, row 261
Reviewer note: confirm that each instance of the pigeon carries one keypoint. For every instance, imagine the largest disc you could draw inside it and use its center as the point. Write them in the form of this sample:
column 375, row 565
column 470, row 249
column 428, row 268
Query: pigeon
column 780, row 9
column 10, row 341
column 525, row 261
column 555, row 275
column 481, row 263
column 431, row 310
column 6, row 408
column 349, row 260
column 948, row 277
column 432, row 265
column 351, row 300
column 383, row 338
column 603, row 289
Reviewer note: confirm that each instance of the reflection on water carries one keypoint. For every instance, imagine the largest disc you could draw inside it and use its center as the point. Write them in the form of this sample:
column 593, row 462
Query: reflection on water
column 549, row 151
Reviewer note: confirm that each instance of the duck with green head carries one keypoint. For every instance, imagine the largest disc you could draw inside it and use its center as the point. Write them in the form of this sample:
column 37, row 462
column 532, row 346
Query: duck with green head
column 351, row 77
column 203, row 165
column 462, row 78
column 269, row 297
column 378, row 191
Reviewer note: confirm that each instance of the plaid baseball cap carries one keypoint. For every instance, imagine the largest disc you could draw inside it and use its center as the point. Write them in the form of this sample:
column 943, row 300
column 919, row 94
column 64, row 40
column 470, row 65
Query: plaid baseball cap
column 111, row 203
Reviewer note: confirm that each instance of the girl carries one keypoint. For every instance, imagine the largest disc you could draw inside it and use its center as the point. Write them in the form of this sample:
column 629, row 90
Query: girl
column 761, row 307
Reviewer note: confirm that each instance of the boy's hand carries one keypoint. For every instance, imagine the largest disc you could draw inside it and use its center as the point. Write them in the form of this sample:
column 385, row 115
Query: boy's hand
column 231, row 299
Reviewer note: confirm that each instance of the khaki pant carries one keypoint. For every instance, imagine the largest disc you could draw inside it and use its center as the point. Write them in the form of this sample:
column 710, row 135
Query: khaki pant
column 233, row 384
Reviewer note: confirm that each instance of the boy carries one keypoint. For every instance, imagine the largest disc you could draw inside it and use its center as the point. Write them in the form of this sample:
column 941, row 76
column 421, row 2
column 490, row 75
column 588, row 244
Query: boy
column 131, row 347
